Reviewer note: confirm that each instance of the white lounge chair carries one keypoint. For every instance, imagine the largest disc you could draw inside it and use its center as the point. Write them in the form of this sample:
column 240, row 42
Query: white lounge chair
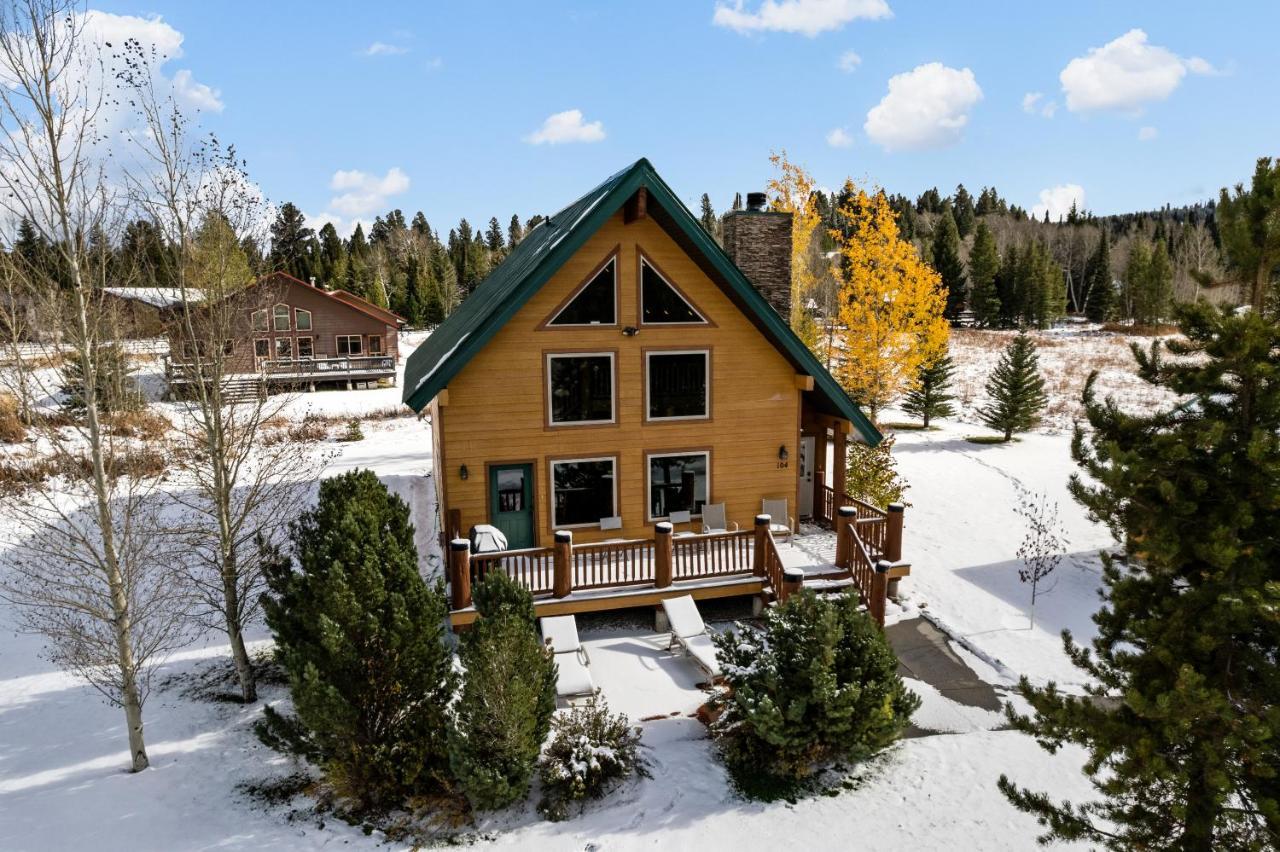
column 715, row 520
column 781, row 523
column 574, row 678
column 689, row 632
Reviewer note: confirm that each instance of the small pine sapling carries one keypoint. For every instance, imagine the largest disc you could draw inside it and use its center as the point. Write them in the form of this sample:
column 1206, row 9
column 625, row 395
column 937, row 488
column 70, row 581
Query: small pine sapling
column 1042, row 545
column 353, row 431
column 1016, row 389
column 931, row 397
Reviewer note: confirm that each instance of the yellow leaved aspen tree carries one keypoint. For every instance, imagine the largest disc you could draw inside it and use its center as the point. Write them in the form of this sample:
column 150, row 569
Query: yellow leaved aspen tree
column 791, row 190
column 891, row 303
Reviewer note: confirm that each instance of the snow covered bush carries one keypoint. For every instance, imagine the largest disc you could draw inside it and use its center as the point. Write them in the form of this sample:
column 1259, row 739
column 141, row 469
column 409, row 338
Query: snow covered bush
column 590, row 749
column 818, row 683
column 503, row 714
column 362, row 638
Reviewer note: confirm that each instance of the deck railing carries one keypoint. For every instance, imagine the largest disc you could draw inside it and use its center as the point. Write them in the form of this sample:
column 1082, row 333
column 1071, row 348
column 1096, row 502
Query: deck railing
column 870, row 549
column 531, row 568
column 613, row 563
column 711, row 555
column 311, row 369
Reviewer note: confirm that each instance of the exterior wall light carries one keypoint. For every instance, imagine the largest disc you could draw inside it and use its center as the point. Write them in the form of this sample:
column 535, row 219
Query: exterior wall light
column 783, row 455
column 631, row 331
column 463, row 473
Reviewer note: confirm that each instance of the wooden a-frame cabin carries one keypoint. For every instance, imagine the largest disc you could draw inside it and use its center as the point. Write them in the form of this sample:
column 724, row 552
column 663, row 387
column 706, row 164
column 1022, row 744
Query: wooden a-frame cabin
column 621, row 380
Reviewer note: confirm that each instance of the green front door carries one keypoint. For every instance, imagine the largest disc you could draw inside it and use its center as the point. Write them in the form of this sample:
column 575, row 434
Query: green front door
column 511, row 503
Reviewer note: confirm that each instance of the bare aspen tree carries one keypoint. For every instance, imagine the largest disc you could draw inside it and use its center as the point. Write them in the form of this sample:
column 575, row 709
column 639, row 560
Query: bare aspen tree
column 238, row 488
column 1042, row 543
column 87, row 570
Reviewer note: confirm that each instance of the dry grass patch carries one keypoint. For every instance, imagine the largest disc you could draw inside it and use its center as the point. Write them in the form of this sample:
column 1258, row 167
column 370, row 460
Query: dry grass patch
column 12, row 430
column 144, row 424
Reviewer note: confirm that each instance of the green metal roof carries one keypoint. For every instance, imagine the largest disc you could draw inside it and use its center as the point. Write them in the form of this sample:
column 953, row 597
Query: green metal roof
column 545, row 249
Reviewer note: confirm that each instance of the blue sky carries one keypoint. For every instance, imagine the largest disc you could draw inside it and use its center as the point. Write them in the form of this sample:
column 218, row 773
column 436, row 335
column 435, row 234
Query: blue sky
column 351, row 110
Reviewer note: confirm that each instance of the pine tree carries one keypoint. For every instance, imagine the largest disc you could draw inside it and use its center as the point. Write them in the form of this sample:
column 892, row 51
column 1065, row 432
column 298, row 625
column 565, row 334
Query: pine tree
column 1099, row 288
column 984, row 266
column 291, row 243
column 420, row 226
column 931, row 396
column 1051, row 292
column 514, row 232
column 1249, row 223
column 493, row 236
column 331, row 257
column 503, row 714
column 415, row 297
column 1007, row 287
column 964, row 212
column 362, row 638
column 1016, row 389
column 946, row 260
column 1181, row 723
column 708, row 217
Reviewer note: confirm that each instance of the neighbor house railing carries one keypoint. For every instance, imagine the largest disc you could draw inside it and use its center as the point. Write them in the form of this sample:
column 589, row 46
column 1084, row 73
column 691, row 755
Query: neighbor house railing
column 311, row 368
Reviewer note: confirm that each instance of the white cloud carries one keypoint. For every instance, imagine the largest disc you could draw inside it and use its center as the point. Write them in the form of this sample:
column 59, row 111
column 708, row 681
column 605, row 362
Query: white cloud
column 807, row 17
column 197, row 94
column 1146, row 134
column 381, row 48
column 1033, row 103
column 566, row 126
column 110, row 32
column 1057, row 200
column 839, row 138
column 360, row 193
column 848, row 62
column 1126, row 73
column 927, row 107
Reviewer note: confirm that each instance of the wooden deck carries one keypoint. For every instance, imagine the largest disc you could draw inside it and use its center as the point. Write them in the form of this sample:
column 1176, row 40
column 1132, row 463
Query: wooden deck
column 297, row 372
column 864, row 547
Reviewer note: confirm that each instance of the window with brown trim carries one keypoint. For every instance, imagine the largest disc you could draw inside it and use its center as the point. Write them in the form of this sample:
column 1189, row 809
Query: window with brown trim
column 677, row 384
column 284, row 348
column 306, row 347
column 596, row 303
column 280, row 318
column 375, row 344
column 301, row 319
column 661, row 303
column 262, row 348
column 678, row 482
column 349, row 344
column 583, row 491
column 580, row 388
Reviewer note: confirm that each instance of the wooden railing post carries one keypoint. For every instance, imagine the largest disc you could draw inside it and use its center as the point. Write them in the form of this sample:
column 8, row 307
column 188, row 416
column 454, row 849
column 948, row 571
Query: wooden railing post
column 562, row 564
column 455, row 523
column 757, row 553
column 879, row 591
column 662, row 554
column 792, row 582
column 845, row 516
column 460, row 572
column 893, row 533
column 820, row 493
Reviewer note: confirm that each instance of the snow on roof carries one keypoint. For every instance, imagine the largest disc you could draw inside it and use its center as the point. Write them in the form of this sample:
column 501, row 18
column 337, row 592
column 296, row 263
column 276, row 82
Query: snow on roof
column 157, row 297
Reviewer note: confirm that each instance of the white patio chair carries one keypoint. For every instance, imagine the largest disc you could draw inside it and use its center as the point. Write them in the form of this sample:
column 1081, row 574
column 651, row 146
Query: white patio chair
column 690, row 633
column 573, row 678
column 777, row 512
column 677, row 518
column 715, row 520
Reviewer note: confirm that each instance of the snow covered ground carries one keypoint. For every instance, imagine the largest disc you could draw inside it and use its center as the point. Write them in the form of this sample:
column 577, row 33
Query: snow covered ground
column 63, row 750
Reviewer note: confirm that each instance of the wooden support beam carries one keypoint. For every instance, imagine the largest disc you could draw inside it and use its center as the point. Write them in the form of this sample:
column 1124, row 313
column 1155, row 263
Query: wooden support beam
column 442, row 398
column 803, row 382
column 840, row 465
column 637, row 206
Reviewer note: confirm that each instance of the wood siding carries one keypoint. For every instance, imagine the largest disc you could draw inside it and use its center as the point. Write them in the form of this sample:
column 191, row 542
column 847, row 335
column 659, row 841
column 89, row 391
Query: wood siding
column 330, row 317
column 496, row 404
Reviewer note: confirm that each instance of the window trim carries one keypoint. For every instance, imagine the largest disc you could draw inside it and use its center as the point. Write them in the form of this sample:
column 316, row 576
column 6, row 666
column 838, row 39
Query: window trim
column 297, row 326
column 380, row 350
column 643, row 260
column 288, row 317
column 339, row 354
column 551, row 489
column 647, row 353
column 289, row 341
column 266, row 321
column 258, row 359
column 297, row 347
column 547, row 355
column 615, row 255
column 648, row 474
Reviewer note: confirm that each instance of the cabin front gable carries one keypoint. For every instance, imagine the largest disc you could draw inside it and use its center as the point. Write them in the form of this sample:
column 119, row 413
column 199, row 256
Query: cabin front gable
column 565, row 390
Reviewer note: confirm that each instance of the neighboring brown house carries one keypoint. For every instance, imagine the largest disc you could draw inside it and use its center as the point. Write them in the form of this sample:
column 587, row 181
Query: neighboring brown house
column 296, row 334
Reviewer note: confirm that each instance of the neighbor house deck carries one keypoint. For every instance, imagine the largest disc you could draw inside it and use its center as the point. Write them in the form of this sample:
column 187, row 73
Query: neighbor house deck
column 865, row 553
column 298, row 372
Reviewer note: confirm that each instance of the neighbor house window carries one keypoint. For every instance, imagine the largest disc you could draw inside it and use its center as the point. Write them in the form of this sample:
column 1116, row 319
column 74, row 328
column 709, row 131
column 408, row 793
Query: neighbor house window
column 280, row 317
column 661, row 302
column 349, row 344
column 580, row 388
column 678, row 385
column 301, row 319
column 595, row 303
column 262, row 348
column 260, row 320
column 678, row 482
column 583, row 491
column 375, row 344
column 284, row 348
column 228, row 346
column 306, row 348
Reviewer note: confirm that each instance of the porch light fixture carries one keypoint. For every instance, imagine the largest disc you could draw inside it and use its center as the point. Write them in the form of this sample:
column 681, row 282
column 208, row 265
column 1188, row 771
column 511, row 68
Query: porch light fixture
column 463, row 473
column 631, row 331
column 783, row 455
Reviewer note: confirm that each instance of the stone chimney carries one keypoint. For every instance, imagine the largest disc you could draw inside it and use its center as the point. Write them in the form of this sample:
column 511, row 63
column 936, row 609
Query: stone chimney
column 759, row 243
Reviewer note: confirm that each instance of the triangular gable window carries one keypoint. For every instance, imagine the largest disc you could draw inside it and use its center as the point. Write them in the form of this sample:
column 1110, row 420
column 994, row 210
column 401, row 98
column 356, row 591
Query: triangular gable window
column 662, row 302
column 596, row 303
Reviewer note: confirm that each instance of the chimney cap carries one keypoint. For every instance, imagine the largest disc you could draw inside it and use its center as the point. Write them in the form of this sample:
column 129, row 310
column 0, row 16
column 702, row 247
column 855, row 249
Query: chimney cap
column 756, row 201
